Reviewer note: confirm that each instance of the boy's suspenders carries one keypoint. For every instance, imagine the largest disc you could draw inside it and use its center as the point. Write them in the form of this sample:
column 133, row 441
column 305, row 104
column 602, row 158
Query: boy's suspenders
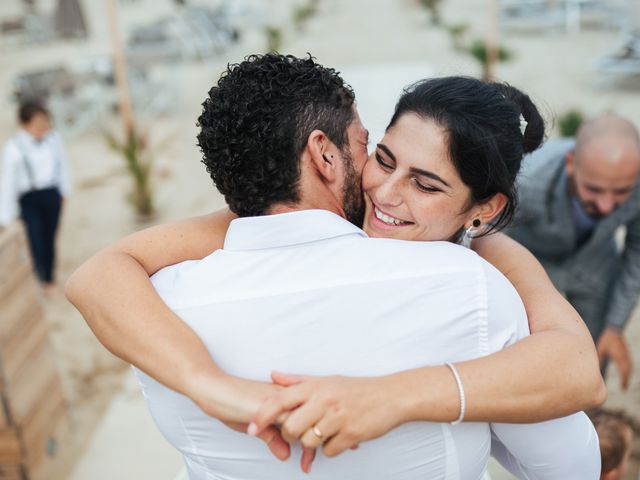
column 29, row 170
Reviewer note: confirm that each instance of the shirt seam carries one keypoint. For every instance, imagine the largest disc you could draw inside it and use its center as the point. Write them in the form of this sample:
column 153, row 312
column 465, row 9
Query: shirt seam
column 483, row 311
column 200, row 302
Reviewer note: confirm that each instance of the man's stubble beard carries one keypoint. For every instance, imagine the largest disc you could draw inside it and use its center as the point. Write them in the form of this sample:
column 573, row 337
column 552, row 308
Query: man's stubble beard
column 352, row 195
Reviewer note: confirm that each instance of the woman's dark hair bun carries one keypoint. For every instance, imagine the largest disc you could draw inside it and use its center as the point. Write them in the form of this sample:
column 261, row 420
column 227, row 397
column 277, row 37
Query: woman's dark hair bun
column 534, row 134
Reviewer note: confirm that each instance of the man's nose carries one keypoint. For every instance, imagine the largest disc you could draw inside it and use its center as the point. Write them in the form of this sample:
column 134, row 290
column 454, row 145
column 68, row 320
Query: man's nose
column 605, row 204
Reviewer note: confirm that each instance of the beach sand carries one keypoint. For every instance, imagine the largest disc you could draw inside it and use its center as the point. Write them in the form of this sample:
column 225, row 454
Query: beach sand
column 361, row 38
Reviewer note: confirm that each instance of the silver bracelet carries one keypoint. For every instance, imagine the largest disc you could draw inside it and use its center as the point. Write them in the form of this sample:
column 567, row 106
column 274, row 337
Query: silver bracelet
column 463, row 403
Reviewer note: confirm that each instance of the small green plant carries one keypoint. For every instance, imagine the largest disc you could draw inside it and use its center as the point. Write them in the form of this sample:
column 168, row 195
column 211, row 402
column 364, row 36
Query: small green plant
column 134, row 150
column 457, row 32
column 302, row 14
column 569, row 123
column 274, row 38
column 433, row 6
column 478, row 50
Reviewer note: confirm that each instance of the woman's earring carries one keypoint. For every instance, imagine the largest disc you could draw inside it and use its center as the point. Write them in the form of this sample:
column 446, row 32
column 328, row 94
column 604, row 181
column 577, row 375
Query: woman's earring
column 469, row 233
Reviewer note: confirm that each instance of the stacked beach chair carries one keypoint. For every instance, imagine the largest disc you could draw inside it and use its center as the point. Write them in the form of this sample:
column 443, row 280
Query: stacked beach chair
column 33, row 418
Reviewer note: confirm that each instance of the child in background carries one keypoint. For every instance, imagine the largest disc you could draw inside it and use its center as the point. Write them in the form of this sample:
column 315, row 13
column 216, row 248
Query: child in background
column 615, row 431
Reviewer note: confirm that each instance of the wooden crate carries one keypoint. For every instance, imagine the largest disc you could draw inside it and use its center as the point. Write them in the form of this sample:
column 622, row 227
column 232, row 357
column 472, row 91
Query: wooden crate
column 33, row 417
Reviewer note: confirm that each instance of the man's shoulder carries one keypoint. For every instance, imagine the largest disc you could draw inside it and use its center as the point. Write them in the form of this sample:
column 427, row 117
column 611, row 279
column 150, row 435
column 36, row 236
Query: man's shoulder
column 346, row 261
column 349, row 251
column 169, row 280
column 544, row 162
column 441, row 252
column 382, row 258
column 540, row 172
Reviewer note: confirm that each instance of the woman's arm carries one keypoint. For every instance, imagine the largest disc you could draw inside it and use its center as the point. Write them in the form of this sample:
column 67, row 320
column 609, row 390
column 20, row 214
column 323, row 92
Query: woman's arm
column 560, row 353
column 113, row 293
column 558, row 361
column 552, row 373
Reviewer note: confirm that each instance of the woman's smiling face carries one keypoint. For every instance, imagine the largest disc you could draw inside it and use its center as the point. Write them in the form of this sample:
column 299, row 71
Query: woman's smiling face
column 412, row 189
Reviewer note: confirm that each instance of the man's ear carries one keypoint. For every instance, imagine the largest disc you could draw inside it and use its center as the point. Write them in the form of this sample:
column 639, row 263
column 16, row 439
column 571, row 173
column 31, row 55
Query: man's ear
column 569, row 162
column 323, row 155
column 487, row 211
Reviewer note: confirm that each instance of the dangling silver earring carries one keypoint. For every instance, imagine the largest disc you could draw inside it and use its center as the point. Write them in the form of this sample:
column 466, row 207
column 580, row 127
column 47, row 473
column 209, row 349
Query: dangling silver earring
column 469, row 234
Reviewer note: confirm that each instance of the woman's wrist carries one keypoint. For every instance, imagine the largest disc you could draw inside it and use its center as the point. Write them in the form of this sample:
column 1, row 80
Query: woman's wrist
column 229, row 398
column 430, row 394
column 206, row 387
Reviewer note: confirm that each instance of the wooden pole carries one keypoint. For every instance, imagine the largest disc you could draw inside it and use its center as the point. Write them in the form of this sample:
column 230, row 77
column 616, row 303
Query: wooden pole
column 492, row 41
column 120, row 69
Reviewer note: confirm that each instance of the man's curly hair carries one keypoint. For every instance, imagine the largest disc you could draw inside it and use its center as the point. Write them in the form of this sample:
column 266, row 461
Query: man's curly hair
column 256, row 121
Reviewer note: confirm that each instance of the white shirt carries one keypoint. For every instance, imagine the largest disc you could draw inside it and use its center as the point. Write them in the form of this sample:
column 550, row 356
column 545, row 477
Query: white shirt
column 48, row 167
column 307, row 292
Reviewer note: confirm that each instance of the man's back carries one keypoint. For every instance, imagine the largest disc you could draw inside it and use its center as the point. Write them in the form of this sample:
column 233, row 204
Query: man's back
column 308, row 293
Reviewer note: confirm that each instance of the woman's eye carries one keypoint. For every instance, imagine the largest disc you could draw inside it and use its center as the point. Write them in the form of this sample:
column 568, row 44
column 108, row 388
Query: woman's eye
column 382, row 163
column 425, row 188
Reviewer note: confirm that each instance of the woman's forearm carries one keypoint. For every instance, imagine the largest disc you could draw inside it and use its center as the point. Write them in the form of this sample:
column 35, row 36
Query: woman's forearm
column 551, row 373
column 514, row 385
column 113, row 293
column 558, row 361
column 507, row 387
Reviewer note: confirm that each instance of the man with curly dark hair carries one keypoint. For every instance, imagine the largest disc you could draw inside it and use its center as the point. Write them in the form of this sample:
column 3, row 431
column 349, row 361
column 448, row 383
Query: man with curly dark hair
column 299, row 288
column 269, row 118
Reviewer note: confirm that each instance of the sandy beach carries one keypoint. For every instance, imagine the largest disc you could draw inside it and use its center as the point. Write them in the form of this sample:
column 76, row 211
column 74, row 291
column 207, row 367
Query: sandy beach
column 362, row 39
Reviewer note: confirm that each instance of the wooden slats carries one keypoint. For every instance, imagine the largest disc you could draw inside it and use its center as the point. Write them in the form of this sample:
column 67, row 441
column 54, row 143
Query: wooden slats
column 33, row 419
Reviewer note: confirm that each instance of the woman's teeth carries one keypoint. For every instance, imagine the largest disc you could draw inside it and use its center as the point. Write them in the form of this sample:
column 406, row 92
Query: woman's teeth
column 387, row 219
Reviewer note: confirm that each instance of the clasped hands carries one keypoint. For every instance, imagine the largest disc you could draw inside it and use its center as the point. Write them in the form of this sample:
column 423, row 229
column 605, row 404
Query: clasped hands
column 335, row 413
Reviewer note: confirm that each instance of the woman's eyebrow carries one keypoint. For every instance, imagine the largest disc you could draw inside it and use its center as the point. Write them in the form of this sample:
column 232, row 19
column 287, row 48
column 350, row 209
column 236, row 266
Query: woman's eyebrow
column 386, row 150
column 417, row 171
column 427, row 173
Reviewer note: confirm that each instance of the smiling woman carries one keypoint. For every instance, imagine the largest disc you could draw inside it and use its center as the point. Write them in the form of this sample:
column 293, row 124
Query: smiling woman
column 448, row 161
column 412, row 190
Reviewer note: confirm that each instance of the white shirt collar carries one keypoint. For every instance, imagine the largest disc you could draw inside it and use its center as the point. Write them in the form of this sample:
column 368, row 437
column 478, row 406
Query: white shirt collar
column 286, row 229
column 28, row 140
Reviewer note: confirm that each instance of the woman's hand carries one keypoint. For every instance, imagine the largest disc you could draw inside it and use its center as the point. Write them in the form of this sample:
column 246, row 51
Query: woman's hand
column 234, row 401
column 273, row 439
column 337, row 412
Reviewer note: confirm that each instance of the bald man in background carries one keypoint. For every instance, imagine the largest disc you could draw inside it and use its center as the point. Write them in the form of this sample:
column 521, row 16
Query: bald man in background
column 574, row 195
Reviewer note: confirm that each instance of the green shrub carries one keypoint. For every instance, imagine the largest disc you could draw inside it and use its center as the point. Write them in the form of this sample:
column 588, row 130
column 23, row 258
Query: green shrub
column 457, row 32
column 302, row 14
column 433, row 6
column 478, row 50
column 274, row 38
column 134, row 150
column 569, row 123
